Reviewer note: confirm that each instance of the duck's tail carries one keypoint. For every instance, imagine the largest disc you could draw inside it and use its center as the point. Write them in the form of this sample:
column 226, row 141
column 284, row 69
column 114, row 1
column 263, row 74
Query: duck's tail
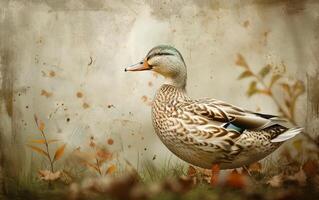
column 290, row 133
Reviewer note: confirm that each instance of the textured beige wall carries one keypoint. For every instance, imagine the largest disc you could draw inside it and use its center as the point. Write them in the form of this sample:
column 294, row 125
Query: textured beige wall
column 64, row 47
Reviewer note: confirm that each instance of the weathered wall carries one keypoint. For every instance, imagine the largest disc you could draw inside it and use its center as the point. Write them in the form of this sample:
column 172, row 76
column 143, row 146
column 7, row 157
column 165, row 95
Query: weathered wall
column 63, row 60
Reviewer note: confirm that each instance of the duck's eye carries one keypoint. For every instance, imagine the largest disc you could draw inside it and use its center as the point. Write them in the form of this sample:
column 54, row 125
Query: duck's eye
column 159, row 54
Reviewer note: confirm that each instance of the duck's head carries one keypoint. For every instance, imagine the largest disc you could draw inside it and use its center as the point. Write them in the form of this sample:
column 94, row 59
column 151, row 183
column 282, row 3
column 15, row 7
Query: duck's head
column 165, row 60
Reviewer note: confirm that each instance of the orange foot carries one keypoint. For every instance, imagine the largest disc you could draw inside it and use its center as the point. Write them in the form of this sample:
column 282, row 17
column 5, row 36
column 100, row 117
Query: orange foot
column 215, row 175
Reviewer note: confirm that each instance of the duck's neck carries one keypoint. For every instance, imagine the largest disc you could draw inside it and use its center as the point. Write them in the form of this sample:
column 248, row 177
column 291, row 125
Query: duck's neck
column 169, row 91
column 179, row 81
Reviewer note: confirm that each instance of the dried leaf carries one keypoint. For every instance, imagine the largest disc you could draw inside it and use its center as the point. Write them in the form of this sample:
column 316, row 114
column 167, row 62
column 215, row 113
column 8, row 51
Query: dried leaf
column 47, row 175
column 42, row 141
column 299, row 177
column 276, row 181
column 286, row 87
column 298, row 88
column 39, row 141
column 255, row 167
column 252, row 88
column 103, row 154
column 59, row 152
column 39, row 150
column 274, row 79
column 245, row 74
column 110, row 169
column 264, row 71
column 241, row 61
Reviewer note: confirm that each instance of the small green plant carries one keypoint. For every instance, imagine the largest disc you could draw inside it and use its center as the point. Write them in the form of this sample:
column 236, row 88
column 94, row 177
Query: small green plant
column 42, row 146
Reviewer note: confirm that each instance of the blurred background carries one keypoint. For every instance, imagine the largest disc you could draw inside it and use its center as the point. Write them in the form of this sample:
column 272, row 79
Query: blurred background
column 64, row 61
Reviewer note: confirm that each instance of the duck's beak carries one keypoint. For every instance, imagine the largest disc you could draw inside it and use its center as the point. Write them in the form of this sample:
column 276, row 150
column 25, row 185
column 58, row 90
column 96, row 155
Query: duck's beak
column 141, row 66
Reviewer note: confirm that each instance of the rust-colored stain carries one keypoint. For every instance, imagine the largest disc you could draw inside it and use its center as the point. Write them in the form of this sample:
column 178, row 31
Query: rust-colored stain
column 246, row 23
column 52, row 73
column 144, row 98
column 150, row 84
column 46, row 93
column 85, row 105
column 79, row 94
column 110, row 141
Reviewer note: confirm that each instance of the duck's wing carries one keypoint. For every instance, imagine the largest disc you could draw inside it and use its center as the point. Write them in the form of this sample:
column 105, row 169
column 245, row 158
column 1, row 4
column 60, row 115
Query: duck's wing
column 227, row 114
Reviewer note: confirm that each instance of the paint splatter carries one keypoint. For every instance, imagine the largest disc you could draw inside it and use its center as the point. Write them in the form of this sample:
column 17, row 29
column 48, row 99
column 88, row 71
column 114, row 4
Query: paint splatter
column 85, row 105
column 110, row 141
column 46, row 93
column 79, row 94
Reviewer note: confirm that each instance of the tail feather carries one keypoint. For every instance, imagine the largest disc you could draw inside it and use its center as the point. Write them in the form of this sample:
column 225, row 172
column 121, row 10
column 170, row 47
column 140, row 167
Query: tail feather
column 290, row 133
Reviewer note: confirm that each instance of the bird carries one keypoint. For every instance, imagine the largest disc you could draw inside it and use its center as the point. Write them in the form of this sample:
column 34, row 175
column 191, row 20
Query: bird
column 207, row 132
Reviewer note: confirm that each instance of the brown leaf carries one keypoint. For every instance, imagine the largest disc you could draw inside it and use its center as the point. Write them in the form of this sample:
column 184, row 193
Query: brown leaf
column 47, row 175
column 240, row 61
column 274, row 79
column 286, row 87
column 103, row 154
column 255, row 167
column 42, row 141
column 59, row 152
column 245, row 74
column 252, row 88
column 299, row 177
column 39, row 150
column 110, row 169
column 276, row 181
column 298, row 88
column 264, row 71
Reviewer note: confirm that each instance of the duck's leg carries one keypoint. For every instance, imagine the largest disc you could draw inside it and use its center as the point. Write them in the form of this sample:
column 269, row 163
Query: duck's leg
column 215, row 174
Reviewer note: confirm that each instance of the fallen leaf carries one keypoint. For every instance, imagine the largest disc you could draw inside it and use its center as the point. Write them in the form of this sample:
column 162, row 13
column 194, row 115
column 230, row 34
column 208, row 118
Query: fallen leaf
column 47, row 175
column 299, row 177
column 255, row 167
column 59, row 152
column 276, row 181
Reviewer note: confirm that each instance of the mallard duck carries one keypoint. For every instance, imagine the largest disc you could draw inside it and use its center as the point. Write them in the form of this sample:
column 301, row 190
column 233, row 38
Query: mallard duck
column 207, row 132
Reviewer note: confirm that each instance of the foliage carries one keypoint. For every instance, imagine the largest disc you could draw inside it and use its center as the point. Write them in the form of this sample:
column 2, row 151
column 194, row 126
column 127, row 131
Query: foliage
column 44, row 143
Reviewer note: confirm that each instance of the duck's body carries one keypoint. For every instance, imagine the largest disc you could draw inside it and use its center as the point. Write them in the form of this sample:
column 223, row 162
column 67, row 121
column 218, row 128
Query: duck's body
column 205, row 132
column 194, row 130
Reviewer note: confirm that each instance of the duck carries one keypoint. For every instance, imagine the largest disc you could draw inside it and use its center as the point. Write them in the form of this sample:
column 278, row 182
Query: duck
column 207, row 132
